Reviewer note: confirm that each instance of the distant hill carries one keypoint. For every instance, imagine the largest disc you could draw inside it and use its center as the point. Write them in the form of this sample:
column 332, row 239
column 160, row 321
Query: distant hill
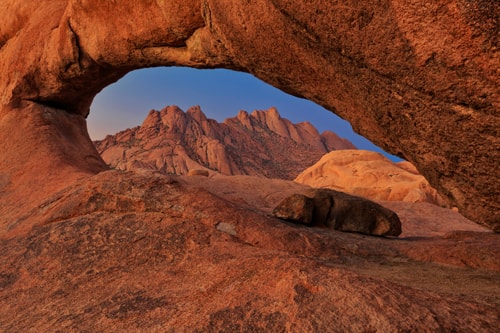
column 262, row 143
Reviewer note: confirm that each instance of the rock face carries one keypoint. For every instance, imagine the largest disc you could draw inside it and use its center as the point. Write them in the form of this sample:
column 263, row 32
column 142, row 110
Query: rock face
column 83, row 249
column 143, row 252
column 339, row 211
column 260, row 144
column 420, row 81
column 370, row 175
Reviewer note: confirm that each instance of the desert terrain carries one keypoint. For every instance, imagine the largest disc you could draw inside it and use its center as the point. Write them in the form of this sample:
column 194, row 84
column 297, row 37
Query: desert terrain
column 89, row 247
column 148, row 250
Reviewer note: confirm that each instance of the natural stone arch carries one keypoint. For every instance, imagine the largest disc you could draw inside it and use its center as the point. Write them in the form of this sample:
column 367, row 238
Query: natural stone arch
column 420, row 81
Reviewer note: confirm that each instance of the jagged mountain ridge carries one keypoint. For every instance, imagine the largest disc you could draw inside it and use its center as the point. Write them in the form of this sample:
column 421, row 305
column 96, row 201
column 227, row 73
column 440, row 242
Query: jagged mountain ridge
column 262, row 143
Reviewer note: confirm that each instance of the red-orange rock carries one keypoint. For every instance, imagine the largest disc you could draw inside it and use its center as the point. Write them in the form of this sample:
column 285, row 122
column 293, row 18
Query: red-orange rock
column 198, row 172
column 370, row 175
column 262, row 144
column 111, row 251
column 143, row 252
column 296, row 208
column 339, row 211
column 420, row 81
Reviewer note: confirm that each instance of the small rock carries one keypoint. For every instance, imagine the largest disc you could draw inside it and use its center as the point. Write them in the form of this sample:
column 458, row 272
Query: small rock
column 198, row 172
column 228, row 228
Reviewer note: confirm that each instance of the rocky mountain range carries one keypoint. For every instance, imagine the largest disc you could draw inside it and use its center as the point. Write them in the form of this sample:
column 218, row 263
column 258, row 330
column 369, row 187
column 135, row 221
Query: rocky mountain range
column 261, row 143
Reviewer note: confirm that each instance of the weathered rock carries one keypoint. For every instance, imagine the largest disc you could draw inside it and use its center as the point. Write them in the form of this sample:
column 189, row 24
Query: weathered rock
column 296, row 208
column 124, row 251
column 420, row 81
column 262, row 143
column 333, row 142
column 354, row 214
column 370, row 175
column 339, row 211
column 130, row 251
column 198, row 172
column 418, row 219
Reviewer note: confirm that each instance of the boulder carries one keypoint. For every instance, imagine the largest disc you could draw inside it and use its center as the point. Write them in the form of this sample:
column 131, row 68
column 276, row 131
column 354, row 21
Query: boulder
column 339, row 211
column 370, row 175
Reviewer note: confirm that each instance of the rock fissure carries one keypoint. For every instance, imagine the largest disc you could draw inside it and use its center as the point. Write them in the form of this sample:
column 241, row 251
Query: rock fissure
column 301, row 28
column 207, row 13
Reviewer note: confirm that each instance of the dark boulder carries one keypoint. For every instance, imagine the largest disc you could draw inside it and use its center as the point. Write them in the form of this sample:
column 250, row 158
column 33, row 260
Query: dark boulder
column 339, row 211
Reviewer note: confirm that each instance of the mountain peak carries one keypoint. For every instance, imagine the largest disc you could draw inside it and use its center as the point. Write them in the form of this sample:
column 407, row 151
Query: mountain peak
column 173, row 141
column 272, row 112
column 151, row 119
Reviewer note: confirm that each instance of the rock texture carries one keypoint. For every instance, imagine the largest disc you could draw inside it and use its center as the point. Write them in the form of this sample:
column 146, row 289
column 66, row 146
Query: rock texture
column 262, row 143
column 370, row 175
column 83, row 249
column 297, row 208
column 421, row 81
column 142, row 252
column 418, row 219
column 339, row 211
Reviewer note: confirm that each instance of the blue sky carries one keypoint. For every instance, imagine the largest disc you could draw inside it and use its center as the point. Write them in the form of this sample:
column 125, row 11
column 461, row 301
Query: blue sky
column 220, row 93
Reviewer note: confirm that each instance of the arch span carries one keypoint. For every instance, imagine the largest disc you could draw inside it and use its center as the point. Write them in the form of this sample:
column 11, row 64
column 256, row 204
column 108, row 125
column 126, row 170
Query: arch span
column 420, row 81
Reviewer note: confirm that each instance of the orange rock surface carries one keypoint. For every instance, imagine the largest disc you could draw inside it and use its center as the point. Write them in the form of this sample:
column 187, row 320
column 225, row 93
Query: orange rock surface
column 146, row 252
column 420, row 81
column 85, row 249
column 369, row 175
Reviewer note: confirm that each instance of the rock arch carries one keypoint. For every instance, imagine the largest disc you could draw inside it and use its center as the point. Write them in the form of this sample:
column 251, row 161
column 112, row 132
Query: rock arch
column 420, row 81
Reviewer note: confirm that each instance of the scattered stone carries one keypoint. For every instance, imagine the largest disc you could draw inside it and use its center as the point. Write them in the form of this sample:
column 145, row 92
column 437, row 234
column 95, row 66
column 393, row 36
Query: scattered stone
column 198, row 172
column 228, row 228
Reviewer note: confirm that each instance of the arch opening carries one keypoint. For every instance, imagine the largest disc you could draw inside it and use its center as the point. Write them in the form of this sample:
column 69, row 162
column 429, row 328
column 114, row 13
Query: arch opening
column 220, row 93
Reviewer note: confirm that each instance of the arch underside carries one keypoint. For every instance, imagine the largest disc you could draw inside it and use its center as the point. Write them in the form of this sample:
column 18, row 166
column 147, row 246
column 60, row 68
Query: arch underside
column 422, row 83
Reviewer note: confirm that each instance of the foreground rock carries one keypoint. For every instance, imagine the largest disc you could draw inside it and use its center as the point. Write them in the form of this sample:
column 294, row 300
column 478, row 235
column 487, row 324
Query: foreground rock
column 339, row 211
column 420, row 81
column 296, row 208
column 370, row 175
column 262, row 143
column 145, row 252
column 419, row 219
